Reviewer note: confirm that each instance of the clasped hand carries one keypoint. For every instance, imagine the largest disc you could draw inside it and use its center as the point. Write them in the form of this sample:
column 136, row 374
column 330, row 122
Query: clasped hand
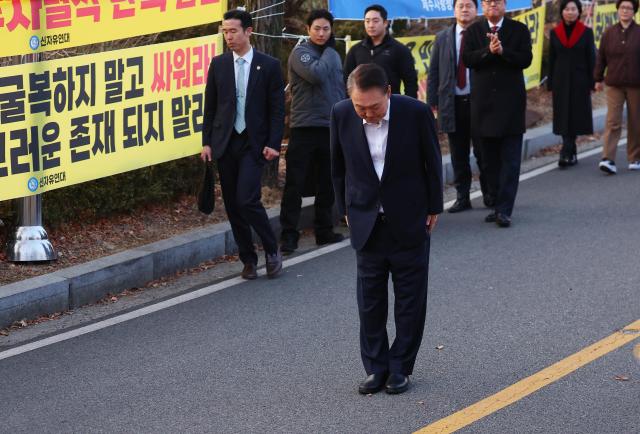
column 495, row 46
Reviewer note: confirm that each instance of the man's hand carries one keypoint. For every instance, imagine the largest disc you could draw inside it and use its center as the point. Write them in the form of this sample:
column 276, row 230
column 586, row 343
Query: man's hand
column 205, row 154
column 269, row 153
column 432, row 219
column 434, row 110
column 599, row 86
column 495, row 46
column 346, row 219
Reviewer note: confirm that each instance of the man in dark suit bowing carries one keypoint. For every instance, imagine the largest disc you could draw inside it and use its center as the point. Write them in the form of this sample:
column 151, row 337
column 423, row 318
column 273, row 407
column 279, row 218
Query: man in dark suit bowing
column 387, row 176
column 243, row 127
column 497, row 49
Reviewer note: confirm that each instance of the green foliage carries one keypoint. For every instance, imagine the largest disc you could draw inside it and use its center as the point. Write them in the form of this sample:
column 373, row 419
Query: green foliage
column 122, row 193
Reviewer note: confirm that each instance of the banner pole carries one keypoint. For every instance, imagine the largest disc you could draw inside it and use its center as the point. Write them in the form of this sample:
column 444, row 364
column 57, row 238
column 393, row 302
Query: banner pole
column 29, row 241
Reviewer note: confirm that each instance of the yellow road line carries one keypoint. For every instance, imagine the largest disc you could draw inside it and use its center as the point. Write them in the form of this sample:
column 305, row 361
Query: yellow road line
column 533, row 383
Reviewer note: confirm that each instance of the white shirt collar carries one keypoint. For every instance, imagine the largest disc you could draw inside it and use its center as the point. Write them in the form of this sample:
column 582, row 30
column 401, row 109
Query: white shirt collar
column 459, row 29
column 385, row 118
column 499, row 23
column 248, row 56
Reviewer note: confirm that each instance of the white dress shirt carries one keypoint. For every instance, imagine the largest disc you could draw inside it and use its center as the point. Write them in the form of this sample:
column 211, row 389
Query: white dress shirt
column 377, row 140
column 248, row 57
column 467, row 88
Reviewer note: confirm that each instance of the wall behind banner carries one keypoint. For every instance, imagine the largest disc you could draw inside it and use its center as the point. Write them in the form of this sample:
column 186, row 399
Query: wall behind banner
column 68, row 121
column 36, row 26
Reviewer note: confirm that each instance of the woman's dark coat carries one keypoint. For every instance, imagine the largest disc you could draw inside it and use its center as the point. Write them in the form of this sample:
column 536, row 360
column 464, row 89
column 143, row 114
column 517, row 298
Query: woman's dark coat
column 571, row 81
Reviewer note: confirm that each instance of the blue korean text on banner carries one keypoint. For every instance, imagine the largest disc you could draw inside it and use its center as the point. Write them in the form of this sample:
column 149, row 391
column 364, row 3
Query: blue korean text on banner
column 354, row 9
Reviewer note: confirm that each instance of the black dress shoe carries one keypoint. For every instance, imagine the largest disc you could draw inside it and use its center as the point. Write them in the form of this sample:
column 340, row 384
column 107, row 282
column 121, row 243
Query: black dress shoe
column 563, row 162
column 328, row 238
column 490, row 218
column 288, row 243
column 373, row 383
column 396, row 383
column 503, row 220
column 573, row 160
column 489, row 200
column 274, row 264
column 461, row 204
column 249, row 272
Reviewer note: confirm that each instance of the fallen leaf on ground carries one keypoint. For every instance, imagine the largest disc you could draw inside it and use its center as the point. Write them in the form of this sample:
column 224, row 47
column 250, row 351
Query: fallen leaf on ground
column 440, row 347
column 621, row 378
column 4, row 333
column 421, row 402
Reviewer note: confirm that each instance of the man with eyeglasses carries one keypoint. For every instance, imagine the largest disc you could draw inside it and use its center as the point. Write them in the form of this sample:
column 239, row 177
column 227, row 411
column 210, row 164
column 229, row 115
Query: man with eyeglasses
column 497, row 50
column 448, row 94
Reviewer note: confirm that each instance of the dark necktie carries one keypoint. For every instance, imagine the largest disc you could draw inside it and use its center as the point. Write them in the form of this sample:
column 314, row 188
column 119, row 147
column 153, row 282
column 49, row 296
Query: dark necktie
column 462, row 70
column 494, row 29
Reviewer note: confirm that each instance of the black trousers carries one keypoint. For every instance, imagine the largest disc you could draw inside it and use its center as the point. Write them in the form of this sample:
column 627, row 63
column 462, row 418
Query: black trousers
column 460, row 145
column 241, row 181
column 569, row 147
column 409, row 269
column 308, row 153
column 501, row 157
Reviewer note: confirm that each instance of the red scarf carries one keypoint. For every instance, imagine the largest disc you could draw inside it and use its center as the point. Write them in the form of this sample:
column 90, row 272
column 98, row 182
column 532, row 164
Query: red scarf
column 575, row 35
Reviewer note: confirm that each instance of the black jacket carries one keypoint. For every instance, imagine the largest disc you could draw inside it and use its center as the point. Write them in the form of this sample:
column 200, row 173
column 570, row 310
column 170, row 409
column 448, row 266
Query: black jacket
column 394, row 57
column 571, row 81
column 498, row 95
column 264, row 106
column 411, row 184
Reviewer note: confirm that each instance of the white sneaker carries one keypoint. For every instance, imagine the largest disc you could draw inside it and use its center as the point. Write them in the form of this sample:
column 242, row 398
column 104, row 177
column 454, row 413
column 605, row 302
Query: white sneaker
column 634, row 165
column 609, row 166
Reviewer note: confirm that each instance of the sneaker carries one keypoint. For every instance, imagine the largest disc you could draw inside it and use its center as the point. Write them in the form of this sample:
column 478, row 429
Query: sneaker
column 634, row 165
column 608, row 166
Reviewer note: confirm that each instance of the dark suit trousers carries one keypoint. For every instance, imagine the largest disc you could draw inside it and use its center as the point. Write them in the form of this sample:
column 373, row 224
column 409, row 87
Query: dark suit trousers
column 308, row 153
column 409, row 268
column 501, row 158
column 241, row 181
column 460, row 146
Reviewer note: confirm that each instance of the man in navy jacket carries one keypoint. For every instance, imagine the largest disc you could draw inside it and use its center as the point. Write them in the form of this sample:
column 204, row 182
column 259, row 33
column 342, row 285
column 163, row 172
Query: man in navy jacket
column 243, row 127
column 387, row 177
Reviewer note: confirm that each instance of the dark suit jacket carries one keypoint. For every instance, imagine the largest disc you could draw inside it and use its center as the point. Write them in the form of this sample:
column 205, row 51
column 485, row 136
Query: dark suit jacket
column 264, row 106
column 498, row 95
column 411, row 184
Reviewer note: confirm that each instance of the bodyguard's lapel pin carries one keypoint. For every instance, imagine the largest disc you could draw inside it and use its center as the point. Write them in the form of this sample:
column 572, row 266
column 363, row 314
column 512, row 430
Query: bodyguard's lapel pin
column 258, row 68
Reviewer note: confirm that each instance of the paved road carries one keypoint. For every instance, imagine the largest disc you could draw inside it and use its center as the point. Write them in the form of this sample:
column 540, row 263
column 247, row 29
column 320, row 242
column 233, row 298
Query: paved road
column 281, row 356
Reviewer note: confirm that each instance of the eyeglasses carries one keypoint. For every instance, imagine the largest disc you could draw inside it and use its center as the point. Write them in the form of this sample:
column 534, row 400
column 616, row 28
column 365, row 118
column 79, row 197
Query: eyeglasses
column 494, row 2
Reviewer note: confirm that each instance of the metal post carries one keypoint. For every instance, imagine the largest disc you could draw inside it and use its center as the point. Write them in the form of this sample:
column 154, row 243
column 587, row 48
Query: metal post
column 29, row 241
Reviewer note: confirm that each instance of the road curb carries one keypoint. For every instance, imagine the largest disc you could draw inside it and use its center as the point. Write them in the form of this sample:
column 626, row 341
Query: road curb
column 534, row 140
column 89, row 282
column 81, row 284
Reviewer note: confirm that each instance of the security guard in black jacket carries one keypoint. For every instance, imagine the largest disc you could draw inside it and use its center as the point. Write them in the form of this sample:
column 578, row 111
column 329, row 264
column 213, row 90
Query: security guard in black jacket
column 380, row 48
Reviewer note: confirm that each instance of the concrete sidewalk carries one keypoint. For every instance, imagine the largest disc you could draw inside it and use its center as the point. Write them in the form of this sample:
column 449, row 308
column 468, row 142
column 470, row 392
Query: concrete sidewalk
column 75, row 286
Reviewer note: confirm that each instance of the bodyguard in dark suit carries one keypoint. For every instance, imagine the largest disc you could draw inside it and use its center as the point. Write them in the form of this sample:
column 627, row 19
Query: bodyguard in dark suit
column 387, row 176
column 449, row 95
column 497, row 50
column 243, row 127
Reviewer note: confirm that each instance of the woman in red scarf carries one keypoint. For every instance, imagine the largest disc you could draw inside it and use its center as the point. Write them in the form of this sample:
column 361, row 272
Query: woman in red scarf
column 572, row 54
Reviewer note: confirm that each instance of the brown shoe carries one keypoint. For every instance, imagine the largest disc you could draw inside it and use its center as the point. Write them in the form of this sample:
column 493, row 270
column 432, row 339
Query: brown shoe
column 274, row 264
column 249, row 272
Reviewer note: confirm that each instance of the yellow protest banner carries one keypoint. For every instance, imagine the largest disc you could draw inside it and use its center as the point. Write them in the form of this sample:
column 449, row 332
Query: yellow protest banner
column 603, row 17
column 534, row 20
column 33, row 26
column 420, row 47
column 67, row 121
